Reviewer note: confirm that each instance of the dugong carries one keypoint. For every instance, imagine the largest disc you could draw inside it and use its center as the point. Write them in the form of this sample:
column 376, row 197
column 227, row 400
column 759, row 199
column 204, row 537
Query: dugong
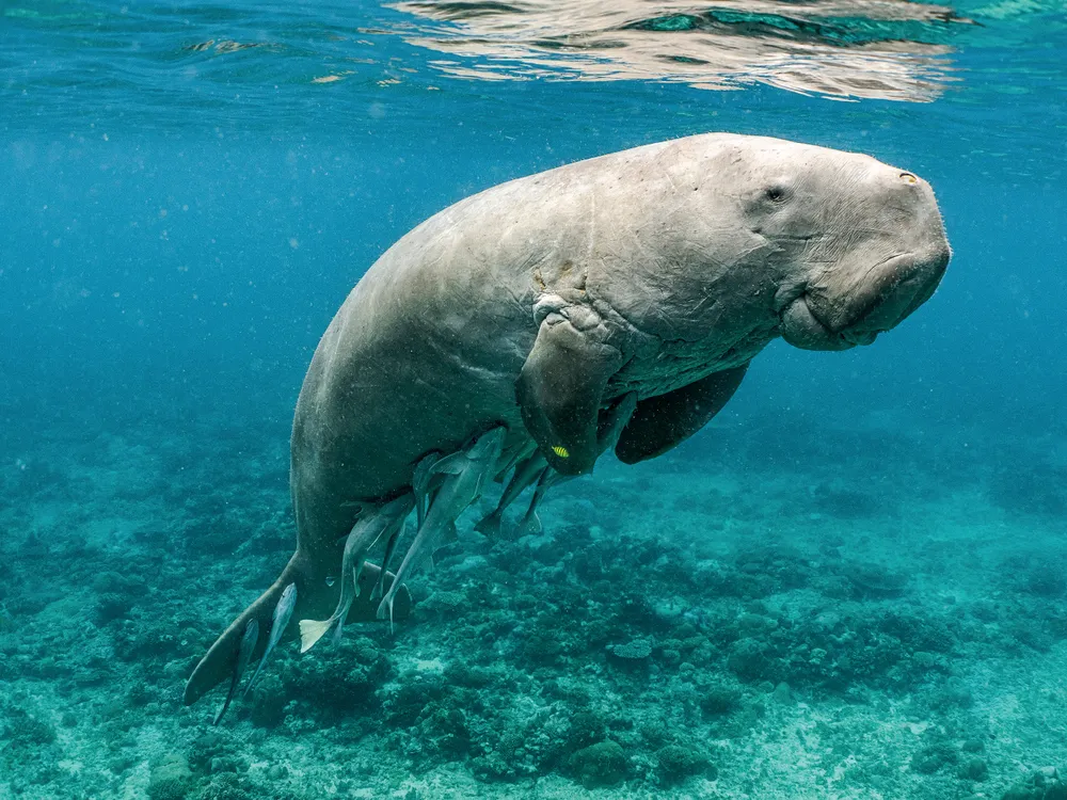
column 537, row 304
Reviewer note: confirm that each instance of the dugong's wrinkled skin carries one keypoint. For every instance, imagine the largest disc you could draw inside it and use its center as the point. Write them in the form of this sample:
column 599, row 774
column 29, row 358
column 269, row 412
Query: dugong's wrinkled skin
column 661, row 270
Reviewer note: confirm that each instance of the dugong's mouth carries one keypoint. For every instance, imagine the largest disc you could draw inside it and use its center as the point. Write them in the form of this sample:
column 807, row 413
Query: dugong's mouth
column 801, row 328
column 852, row 307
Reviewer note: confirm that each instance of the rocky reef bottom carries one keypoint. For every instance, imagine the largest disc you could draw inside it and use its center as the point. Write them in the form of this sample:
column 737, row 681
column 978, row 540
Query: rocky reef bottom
column 871, row 612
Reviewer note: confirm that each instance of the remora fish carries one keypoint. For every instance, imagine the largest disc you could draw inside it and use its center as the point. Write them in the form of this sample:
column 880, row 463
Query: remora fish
column 387, row 556
column 546, row 479
column 282, row 612
column 464, row 474
column 365, row 533
column 244, row 655
column 422, row 486
column 526, row 472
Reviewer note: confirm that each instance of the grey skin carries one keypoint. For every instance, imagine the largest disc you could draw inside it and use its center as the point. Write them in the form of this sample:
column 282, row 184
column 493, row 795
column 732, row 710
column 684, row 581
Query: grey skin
column 661, row 270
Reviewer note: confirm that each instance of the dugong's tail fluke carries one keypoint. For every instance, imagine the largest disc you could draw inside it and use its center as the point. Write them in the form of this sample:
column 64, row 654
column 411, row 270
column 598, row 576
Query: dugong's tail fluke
column 314, row 596
column 221, row 658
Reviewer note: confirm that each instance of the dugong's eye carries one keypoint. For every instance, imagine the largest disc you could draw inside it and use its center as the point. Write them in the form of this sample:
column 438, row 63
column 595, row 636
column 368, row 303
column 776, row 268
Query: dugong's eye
column 776, row 194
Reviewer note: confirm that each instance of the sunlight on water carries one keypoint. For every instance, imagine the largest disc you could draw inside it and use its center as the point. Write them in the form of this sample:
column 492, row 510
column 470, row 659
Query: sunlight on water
column 889, row 50
column 190, row 66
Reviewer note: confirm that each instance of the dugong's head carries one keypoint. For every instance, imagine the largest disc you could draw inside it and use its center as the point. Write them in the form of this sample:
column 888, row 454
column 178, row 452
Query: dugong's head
column 856, row 245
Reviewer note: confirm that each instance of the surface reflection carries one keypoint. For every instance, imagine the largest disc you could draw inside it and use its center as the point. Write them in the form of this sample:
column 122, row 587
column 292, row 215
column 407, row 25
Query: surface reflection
column 888, row 49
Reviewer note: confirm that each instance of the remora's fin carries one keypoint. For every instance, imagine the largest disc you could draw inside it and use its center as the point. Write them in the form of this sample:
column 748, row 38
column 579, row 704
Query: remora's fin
column 390, row 547
column 489, row 525
column 452, row 464
column 531, row 523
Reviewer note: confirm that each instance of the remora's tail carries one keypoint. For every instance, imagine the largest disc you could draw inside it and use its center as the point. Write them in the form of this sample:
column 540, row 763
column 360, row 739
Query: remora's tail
column 313, row 596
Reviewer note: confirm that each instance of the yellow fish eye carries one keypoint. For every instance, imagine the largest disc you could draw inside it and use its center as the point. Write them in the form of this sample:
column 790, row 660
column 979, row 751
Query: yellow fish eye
column 561, row 451
column 907, row 177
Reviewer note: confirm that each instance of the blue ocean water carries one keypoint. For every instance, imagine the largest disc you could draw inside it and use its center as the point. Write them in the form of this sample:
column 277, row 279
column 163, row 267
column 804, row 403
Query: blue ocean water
column 852, row 584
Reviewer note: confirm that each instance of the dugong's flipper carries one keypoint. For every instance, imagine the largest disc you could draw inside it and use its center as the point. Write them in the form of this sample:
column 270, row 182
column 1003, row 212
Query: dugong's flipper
column 609, row 429
column 665, row 421
column 561, row 389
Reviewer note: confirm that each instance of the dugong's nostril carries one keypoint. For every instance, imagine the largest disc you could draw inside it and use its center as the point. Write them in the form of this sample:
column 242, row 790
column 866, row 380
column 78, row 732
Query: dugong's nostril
column 907, row 177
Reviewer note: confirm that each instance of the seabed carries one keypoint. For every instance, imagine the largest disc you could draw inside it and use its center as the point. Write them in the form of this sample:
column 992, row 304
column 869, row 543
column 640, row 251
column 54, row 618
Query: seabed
column 776, row 610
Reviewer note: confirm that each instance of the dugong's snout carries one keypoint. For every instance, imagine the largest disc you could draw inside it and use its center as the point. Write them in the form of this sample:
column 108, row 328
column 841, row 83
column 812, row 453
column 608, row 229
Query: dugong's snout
column 891, row 292
column 877, row 282
column 887, row 294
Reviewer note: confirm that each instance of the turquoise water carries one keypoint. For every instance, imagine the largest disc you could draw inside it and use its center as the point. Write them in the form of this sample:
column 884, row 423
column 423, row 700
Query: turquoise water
column 852, row 584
